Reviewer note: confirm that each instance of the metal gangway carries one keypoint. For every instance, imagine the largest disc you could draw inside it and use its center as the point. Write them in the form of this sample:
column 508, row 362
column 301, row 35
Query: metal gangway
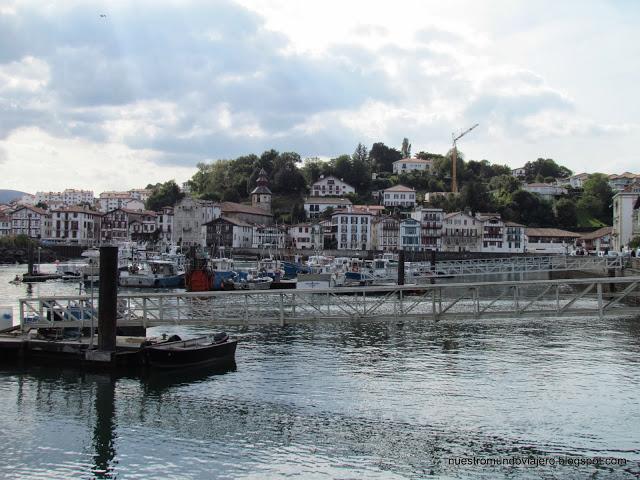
column 552, row 298
column 505, row 265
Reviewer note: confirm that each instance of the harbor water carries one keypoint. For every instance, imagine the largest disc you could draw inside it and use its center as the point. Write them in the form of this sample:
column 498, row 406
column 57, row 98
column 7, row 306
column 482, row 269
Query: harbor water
column 413, row 399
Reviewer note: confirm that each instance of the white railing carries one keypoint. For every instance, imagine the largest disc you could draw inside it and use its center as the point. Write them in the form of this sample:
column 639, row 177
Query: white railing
column 594, row 296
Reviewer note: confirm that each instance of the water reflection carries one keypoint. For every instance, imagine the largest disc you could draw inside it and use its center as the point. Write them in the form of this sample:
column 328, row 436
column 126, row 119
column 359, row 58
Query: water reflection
column 158, row 381
column 104, row 431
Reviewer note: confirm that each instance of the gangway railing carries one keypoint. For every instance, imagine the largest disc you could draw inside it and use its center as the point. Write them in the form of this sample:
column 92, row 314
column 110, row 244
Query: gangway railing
column 594, row 296
column 521, row 265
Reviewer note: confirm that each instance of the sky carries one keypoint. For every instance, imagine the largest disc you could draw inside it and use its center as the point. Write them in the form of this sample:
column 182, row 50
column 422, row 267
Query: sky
column 118, row 94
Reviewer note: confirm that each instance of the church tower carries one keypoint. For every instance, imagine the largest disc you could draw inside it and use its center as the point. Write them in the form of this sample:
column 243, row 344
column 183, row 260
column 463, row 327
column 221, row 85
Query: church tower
column 261, row 195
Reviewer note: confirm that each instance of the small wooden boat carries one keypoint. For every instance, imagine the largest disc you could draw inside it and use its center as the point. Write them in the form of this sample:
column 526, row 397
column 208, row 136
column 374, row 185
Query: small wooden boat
column 209, row 350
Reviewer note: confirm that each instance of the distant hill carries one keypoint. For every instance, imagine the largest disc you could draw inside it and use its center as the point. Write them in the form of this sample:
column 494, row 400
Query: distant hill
column 7, row 195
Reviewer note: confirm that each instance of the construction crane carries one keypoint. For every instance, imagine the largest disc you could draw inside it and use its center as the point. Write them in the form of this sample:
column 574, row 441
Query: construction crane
column 454, row 158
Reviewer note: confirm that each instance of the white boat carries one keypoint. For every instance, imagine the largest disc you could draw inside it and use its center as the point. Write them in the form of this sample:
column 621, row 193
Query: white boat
column 255, row 281
column 153, row 274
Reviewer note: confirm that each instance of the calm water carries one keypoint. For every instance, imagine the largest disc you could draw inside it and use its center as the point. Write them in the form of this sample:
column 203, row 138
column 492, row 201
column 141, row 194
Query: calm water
column 348, row 400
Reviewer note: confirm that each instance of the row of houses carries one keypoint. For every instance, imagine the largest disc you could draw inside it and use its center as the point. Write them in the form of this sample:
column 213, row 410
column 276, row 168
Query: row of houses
column 131, row 199
column 235, row 226
column 617, row 181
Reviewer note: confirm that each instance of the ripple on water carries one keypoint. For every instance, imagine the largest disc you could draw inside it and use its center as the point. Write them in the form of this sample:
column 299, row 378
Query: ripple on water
column 343, row 400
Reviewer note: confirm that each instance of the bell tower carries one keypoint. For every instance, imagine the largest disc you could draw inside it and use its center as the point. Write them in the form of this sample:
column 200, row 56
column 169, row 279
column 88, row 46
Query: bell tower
column 261, row 195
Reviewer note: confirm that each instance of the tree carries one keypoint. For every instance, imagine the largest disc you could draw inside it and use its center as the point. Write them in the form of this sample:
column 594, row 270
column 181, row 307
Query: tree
column 428, row 156
column 312, row 169
column 382, row 157
column 545, row 168
column 361, row 154
column 164, row 194
column 566, row 213
column 598, row 196
column 342, row 167
column 475, row 197
column 42, row 205
column 502, row 187
column 288, row 179
column 529, row 209
column 406, row 148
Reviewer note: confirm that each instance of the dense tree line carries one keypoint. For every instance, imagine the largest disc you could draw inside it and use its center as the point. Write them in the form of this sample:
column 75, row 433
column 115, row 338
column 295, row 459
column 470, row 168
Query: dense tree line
column 484, row 186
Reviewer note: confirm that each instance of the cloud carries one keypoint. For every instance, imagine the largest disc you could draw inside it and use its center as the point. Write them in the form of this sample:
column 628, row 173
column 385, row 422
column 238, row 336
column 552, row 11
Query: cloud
column 180, row 83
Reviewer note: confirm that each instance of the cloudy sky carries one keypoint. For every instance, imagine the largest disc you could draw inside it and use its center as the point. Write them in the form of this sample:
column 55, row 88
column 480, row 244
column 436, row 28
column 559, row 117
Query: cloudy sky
column 145, row 93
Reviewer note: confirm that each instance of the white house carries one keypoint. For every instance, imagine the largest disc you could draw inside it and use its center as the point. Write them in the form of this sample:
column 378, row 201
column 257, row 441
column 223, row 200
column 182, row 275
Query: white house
column 519, row 172
column 164, row 225
column 407, row 165
column 67, row 198
column 492, row 232
column 430, row 227
column 109, row 201
column 143, row 226
column 515, row 239
column 5, row 224
column 266, row 236
column 399, row 196
column 623, row 203
column 621, row 181
column 75, row 225
column 315, row 206
column 31, row 221
column 385, row 233
column 27, row 199
column 228, row 233
column 461, row 233
column 141, row 194
column 597, row 241
column 308, row 236
column 546, row 190
column 330, row 186
column 352, row 230
column 577, row 181
column 550, row 240
column 410, row 238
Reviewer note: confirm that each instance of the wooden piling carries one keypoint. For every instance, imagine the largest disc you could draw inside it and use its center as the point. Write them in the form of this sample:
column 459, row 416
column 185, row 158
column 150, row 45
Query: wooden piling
column 108, row 298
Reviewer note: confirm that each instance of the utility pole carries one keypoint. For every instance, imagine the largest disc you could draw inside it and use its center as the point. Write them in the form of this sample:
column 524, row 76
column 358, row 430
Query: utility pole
column 454, row 158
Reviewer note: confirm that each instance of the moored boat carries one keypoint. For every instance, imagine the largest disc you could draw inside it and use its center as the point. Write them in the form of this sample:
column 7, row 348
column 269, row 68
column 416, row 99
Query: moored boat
column 208, row 350
column 154, row 274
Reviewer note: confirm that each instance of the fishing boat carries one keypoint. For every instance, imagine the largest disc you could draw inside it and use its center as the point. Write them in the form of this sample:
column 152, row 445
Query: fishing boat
column 208, row 350
column 153, row 274
column 225, row 276
column 355, row 272
column 255, row 280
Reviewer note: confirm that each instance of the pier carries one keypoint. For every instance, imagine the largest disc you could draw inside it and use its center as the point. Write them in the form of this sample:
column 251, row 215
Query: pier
column 590, row 296
column 524, row 264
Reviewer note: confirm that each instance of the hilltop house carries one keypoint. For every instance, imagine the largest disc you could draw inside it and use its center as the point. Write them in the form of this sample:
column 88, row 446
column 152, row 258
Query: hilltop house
column 330, row 186
column 399, row 196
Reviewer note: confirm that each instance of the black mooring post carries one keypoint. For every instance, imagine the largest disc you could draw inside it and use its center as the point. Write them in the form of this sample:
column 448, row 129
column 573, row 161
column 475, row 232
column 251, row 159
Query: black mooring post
column 108, row 297
column 30, row 258
column 433, row 266
column 401, row 267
